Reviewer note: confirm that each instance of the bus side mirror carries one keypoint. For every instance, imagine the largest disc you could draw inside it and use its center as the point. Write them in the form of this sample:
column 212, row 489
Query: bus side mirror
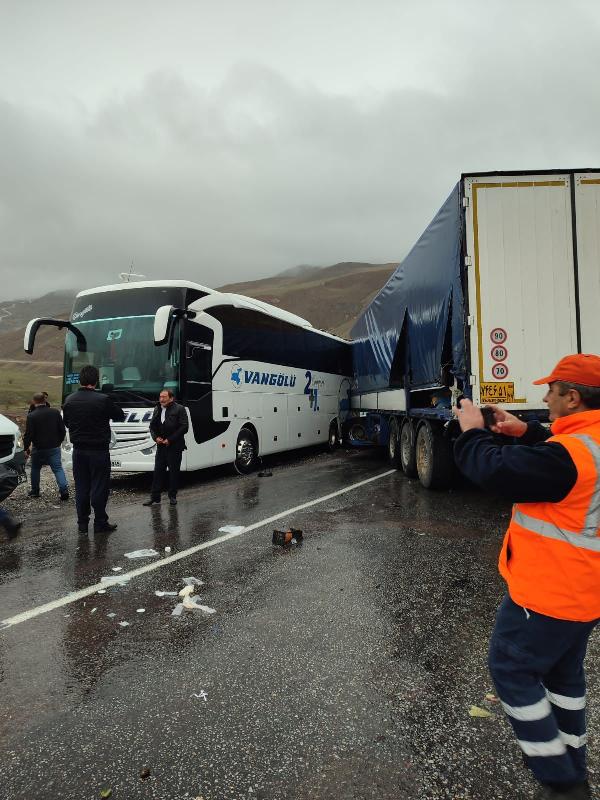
column 163, row 320
column 35, row 324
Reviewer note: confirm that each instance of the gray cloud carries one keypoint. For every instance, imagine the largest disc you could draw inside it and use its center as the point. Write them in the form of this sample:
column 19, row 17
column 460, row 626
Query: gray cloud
column 241, row 177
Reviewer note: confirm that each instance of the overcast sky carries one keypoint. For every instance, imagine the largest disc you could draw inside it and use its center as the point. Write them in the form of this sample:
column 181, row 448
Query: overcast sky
column 229, row 140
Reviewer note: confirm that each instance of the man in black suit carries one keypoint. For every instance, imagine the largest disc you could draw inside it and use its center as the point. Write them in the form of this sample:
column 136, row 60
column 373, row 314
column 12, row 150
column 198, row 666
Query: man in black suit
column 87, row 414
column 168, row 427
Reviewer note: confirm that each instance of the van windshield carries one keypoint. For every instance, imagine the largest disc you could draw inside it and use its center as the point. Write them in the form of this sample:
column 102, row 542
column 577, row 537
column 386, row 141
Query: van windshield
column 129, row 362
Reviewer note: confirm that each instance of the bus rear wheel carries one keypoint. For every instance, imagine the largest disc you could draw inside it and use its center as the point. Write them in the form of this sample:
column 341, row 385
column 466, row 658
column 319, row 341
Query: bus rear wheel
column 246, row 452
column 333, row 439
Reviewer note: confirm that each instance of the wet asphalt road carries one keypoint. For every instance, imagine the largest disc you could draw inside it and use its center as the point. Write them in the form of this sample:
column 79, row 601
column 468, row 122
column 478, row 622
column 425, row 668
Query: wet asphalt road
column 342, row 668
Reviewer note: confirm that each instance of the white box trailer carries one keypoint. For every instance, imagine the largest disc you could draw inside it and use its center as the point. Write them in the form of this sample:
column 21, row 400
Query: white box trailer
column 502, row 284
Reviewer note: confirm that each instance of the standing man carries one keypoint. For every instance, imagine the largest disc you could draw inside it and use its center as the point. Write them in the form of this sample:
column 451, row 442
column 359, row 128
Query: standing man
column 87, row 414
column 551, row 563
column 45, row 430
column 168, row 427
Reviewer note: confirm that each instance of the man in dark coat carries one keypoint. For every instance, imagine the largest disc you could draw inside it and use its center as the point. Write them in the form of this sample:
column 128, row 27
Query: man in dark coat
column 45, row 431
column 168, row 427
column 87, row 414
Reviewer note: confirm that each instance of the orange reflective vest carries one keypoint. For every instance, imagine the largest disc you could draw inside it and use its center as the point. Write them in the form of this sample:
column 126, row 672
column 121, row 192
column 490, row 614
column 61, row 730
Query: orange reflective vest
column 550, row 558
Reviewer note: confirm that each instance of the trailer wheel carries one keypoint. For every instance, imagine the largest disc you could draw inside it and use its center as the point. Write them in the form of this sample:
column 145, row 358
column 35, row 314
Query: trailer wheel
column 407, row 450
column 435, row 466
column 333, row 439
column 246, row 452
column 394, row 445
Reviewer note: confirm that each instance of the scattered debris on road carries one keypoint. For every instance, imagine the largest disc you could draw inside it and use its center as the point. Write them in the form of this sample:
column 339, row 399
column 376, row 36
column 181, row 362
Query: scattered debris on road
column 145, row 773
column 476, row 711
column 146, row 552
column 231, row 529
column 289, row 537
column 201, row 696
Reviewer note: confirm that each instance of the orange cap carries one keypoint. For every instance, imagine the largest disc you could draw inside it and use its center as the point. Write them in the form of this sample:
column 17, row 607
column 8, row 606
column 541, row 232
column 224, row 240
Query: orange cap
column 582, row 368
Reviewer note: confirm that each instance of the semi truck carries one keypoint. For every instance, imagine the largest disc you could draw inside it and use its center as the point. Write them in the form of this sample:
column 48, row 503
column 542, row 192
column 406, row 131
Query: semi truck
column 504, row 281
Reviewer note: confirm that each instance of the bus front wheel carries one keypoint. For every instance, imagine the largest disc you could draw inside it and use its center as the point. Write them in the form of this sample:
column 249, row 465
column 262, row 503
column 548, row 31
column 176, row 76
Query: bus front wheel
column 246, row 452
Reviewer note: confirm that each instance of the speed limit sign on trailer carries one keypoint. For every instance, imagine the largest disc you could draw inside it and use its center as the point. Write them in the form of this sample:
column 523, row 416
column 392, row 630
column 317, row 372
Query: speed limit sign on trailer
column 498, row 335
column 499, row 353
column 500, row 371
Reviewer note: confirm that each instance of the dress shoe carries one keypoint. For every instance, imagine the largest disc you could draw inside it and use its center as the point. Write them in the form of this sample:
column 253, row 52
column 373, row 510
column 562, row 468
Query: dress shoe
column 578, row 791
column 173, row 501
column 83, row 530
column 108, row 528
column 33, row 494
column 151, row 502
column 64, row 496
column 12, row 529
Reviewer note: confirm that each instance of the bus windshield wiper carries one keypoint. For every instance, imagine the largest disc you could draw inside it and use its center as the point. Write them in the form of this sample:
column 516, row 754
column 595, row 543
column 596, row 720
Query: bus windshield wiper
column 134, row 395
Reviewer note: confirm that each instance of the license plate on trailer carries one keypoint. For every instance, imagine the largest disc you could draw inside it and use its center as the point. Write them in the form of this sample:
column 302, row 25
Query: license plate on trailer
column 116, row 463
column 490, row 393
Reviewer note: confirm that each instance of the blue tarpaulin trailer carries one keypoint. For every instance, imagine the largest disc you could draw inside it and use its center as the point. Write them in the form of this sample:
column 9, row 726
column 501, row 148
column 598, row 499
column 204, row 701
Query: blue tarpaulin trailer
column 503, row 282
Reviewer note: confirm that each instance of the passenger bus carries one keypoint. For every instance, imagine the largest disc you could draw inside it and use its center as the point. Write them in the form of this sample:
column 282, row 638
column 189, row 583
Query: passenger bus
column 254, row 379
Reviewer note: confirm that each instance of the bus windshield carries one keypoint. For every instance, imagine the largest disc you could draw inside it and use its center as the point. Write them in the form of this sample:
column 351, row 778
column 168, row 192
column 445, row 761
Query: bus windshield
column 131, row 366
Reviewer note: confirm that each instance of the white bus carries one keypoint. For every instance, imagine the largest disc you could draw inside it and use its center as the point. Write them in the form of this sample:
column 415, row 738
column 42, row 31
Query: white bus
column 255, row 380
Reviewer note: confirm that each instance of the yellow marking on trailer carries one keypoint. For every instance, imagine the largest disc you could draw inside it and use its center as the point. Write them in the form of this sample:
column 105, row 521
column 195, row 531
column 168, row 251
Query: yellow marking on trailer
column 498, row 185
column 590, row 180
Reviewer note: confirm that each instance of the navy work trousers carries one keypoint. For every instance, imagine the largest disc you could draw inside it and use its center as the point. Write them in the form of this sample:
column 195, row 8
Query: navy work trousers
column 537, row 666
column 167, row 458
column 91, row 471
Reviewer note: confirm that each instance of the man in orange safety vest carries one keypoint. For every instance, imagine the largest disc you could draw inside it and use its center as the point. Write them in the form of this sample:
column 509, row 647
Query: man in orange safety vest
column 550, row 560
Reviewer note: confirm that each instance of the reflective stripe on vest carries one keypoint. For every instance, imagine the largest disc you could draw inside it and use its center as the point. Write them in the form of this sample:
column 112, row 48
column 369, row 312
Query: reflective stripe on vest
column 588, row 538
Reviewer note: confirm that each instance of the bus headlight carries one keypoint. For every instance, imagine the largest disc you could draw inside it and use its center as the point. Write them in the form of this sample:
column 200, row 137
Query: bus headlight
column 19, row 442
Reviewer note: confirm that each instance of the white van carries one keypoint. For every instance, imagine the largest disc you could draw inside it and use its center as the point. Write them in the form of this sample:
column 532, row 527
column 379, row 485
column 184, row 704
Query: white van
column 11, row 441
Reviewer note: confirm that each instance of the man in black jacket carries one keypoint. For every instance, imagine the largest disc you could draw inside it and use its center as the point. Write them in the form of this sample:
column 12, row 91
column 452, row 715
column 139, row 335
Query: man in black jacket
column 87, row 414
column 45, row 430
column 168, row 427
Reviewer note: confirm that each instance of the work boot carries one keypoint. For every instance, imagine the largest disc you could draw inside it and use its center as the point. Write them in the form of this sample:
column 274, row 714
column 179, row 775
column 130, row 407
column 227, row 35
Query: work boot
column 108, row 527
column 64, row 495
column 151, row 502
column 173, row 501
column 33, row 494
column 576, row 791
column 83, row 530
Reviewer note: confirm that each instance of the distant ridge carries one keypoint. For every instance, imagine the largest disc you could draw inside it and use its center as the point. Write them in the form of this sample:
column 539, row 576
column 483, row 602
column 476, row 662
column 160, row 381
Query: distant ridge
column 331, row 298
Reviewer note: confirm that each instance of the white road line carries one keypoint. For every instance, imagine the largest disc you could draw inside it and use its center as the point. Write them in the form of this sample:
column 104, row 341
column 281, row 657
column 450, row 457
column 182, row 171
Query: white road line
column 124, row 576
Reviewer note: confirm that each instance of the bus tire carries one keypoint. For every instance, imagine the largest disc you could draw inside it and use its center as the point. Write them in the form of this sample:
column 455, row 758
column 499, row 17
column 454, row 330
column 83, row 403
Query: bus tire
column 407, row 450
column 394, row 445
column 435, row 465
column 333, row 438
column 246, row 452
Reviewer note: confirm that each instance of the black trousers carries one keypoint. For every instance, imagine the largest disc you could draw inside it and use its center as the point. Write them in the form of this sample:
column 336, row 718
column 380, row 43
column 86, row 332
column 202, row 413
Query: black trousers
column 167, row 458
column 91, row 472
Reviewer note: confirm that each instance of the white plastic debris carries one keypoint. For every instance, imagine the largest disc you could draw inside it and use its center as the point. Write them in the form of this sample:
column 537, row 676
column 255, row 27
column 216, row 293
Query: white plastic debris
column 124, row 624
column 158, row 593
column 187, row 590
column 178, row 610
column 114, row 580
column 111, row 615
column 201, row 696
column 146, row 552
column 93, row 611
column 140, row 610
column 167, row 549
column 193, row 581
column 117, row 569
column 231, row 529
column 101, row 591
column 192, row 604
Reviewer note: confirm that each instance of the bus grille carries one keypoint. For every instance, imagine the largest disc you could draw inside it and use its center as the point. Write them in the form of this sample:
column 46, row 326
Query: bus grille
column 128, row 437
column 7, row 444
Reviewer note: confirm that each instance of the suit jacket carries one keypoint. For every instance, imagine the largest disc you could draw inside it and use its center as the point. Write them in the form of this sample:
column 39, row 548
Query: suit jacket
column 173, row 428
